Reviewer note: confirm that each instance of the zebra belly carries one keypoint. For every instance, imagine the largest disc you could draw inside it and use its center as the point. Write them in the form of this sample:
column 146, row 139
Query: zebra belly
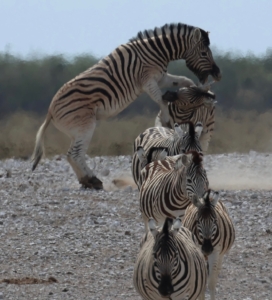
column 107, row 111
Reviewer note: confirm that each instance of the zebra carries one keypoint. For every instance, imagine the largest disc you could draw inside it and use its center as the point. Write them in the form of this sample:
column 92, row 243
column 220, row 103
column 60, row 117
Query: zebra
column 209, row 220
column 195, row 104
column 168, row 185
column 169, row 265
column 113, row 83
column 181, row 139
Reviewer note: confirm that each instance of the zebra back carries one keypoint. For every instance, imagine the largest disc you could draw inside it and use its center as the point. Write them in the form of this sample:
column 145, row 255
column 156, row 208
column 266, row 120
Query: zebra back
column 209, row 220
column 183, row 138
column 194, row 104
column 169, row 264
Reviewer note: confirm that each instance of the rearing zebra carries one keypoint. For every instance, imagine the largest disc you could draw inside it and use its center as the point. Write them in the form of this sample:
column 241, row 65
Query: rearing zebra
column 169, row 264
column 194, row 104
column 114, row 82
column 208, row 219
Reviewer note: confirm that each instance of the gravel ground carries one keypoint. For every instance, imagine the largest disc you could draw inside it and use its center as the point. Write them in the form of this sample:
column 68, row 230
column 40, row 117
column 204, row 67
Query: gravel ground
column 73, row 243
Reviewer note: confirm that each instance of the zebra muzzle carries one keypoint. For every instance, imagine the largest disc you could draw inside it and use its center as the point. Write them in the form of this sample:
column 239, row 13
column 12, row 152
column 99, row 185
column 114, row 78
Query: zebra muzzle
column 165, row 287
column 207, row 247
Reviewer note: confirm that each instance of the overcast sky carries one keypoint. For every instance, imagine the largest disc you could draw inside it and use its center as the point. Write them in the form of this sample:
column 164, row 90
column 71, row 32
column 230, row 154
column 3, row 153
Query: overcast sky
column 98, row 26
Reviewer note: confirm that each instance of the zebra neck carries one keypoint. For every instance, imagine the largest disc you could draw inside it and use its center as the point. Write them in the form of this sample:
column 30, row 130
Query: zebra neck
column 185, row 106
column 169, row 48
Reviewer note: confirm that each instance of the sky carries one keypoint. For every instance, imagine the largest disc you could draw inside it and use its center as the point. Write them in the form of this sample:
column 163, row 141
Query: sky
column 97, row 27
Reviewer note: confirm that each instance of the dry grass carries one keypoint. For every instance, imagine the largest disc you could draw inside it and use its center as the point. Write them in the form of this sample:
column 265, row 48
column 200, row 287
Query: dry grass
column 234, row 132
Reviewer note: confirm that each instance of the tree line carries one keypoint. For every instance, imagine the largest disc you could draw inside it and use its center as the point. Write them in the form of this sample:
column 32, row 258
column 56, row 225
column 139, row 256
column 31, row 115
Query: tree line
column 30, row 84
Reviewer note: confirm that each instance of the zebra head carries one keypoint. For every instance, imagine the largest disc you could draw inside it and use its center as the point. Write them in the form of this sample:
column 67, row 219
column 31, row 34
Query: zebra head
column 199, row 58
column 191, row 97
column 196, row 178
column 154, row 153
column 207, row 226
column 165, row 255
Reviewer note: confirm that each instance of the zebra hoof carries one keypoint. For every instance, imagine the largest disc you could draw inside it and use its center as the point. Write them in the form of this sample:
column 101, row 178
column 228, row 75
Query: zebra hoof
column 91, row 183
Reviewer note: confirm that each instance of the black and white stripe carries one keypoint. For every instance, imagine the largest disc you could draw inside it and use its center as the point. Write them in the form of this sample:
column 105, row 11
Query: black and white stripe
column 209, row 220
column 168, row 185
column 117, row 80
column 169, row 264
column 194, row 104
column 182, row 139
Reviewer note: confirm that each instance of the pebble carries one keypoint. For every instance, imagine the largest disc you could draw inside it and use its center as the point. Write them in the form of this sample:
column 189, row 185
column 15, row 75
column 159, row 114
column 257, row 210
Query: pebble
column 89, row 240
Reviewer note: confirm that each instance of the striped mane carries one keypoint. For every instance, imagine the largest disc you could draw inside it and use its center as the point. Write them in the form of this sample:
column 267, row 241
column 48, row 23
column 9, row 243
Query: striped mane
column 197, row 157
column 207, row 209
column 199, row 92
column 191, row 128
column 168, row 30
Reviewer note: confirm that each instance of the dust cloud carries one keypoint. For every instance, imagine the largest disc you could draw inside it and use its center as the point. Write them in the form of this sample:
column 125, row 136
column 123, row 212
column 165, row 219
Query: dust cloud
column 251, row 171
column 233, row 171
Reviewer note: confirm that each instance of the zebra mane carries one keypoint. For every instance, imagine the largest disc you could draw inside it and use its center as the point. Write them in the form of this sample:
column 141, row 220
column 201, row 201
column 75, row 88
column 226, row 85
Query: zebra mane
column 168, row 29
column 197, row 157
column 190, row 126
column 206, row 198
column 199, row 92
column 207, row 209
column 161, row 241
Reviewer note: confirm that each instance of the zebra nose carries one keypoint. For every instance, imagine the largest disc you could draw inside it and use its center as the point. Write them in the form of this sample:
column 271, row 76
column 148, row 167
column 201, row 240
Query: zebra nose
column 216, row 74
column 207, row 247
column 165, row 287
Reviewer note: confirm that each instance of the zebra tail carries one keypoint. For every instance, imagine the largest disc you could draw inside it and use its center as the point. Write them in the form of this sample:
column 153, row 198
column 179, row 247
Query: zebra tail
column 39, row 144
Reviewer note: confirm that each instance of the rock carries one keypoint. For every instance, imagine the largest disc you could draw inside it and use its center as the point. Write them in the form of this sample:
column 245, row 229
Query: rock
column 105, row 172
column 3, row 173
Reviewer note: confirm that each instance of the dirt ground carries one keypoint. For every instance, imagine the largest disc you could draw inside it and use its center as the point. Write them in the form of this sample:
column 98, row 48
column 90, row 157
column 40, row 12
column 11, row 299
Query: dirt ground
column 59, row 241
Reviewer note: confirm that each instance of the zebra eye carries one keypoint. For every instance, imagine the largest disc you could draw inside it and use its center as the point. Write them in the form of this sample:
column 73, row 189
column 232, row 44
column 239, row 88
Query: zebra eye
column 204, row 53
column 189, row 180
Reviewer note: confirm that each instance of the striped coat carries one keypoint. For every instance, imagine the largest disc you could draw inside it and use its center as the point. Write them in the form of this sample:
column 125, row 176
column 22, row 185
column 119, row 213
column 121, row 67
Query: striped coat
column 194, row 104
column 181, row 139
column 169, row 265
column 208, row 219
column 117, row 80
column 168, row 186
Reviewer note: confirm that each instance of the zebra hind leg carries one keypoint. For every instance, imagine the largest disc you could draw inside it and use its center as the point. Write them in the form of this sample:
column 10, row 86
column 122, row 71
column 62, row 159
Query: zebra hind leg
column 76, row 158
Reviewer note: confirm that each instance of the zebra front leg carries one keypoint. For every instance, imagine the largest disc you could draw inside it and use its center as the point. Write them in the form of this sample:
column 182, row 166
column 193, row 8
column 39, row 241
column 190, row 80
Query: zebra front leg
column 153, row 90
column 76, row 158
column 158, row 122
column 169, row 80
column 213, row 263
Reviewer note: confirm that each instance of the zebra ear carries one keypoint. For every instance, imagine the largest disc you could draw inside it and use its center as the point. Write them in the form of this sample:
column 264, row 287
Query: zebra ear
column 152, row 227
column 178, row 130
column 141, row 153
column 163, row 154
column 197, row 35
column 184, row 160
column 196, row 201
column 142, row 157
column 167, row 225
column 198, row 129
column 214, row 197
column 176, row 225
